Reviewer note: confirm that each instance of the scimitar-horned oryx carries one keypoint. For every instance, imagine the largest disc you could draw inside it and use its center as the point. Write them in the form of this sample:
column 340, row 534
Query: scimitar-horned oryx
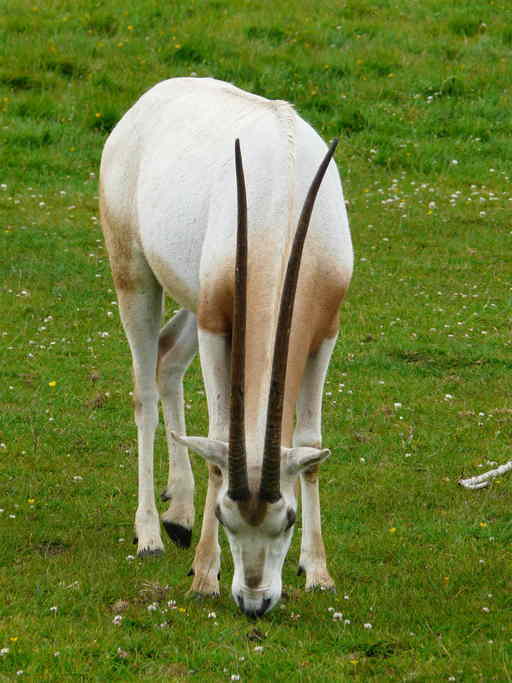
column 176, row 218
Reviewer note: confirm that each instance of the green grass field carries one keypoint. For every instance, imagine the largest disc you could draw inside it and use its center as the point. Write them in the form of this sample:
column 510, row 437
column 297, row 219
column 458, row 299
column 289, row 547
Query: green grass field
column 418, row 391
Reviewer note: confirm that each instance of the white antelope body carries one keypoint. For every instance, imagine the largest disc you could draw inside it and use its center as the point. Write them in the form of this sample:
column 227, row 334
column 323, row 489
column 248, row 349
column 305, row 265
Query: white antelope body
column 177, row 217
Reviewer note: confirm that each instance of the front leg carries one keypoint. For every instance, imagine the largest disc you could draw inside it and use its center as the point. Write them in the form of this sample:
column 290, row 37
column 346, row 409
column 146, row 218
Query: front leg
column 206, row 565
column 308, row 432
column 312, row 550
column 215, row 365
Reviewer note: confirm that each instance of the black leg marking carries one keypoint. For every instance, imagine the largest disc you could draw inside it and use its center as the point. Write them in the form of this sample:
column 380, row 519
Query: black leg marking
column 165, row 496
column 300, row 570
column 178, row 534
column 191, row 572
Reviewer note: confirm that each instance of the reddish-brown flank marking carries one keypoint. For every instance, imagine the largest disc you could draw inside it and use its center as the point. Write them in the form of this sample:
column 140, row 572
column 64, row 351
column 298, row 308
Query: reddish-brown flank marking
column 215, row 308
column 119, row 247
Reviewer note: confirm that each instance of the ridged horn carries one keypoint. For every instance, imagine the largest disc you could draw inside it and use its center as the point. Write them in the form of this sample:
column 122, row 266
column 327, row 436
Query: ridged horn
column 238, row 487
column 271, row 468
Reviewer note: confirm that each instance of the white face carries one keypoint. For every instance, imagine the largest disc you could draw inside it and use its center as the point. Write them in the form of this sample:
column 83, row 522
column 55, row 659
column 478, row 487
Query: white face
column 258, row 550
column 259, row 533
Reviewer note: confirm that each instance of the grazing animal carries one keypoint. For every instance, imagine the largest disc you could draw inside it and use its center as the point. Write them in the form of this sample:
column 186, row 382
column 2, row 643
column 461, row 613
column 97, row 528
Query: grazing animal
column 177, row 217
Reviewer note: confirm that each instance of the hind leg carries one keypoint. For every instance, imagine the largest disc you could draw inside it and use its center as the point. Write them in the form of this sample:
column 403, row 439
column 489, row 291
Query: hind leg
column 177, row 347
column 141, row 310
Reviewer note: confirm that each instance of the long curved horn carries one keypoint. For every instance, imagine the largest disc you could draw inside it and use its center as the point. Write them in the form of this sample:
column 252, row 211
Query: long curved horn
column 271, row 468
column 238, row 488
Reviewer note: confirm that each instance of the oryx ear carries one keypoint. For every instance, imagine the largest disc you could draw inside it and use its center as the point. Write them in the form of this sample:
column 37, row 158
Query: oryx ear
column 214, row 452
column 300, row 458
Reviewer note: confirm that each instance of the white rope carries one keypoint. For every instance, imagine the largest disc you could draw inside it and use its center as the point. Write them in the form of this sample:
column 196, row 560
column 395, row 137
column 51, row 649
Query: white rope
column 483, row 480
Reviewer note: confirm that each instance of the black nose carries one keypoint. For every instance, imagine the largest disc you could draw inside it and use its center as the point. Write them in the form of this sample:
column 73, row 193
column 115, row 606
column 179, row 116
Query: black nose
column 254, row 613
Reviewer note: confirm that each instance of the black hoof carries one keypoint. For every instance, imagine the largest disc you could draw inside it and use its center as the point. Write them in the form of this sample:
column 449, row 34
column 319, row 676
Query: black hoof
column 191, row 572
column 148, row 552
column 300, row 571
column 165, row 496
column 135, row 540
column 178, row 534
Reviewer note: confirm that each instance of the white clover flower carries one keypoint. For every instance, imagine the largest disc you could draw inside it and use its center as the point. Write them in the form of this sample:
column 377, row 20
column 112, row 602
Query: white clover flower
column 212, row 615
column 153, row 607
column 117, row 619
column 368, row 626
column 4, row 651
column 337, row 616
column 54, row 609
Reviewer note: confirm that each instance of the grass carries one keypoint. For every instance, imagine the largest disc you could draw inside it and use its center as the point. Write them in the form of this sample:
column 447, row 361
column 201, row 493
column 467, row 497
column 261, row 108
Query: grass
column 418, row 391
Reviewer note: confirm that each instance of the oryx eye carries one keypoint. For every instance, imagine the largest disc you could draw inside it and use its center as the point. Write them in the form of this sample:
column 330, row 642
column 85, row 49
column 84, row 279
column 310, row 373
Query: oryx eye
column 290, row 517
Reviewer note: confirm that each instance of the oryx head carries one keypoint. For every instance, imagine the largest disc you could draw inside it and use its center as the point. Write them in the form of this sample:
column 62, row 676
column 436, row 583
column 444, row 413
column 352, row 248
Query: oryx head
column 258, row 518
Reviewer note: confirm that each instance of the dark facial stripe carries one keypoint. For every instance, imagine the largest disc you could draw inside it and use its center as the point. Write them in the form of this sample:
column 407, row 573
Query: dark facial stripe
column 253, row 510
column 254, row 574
